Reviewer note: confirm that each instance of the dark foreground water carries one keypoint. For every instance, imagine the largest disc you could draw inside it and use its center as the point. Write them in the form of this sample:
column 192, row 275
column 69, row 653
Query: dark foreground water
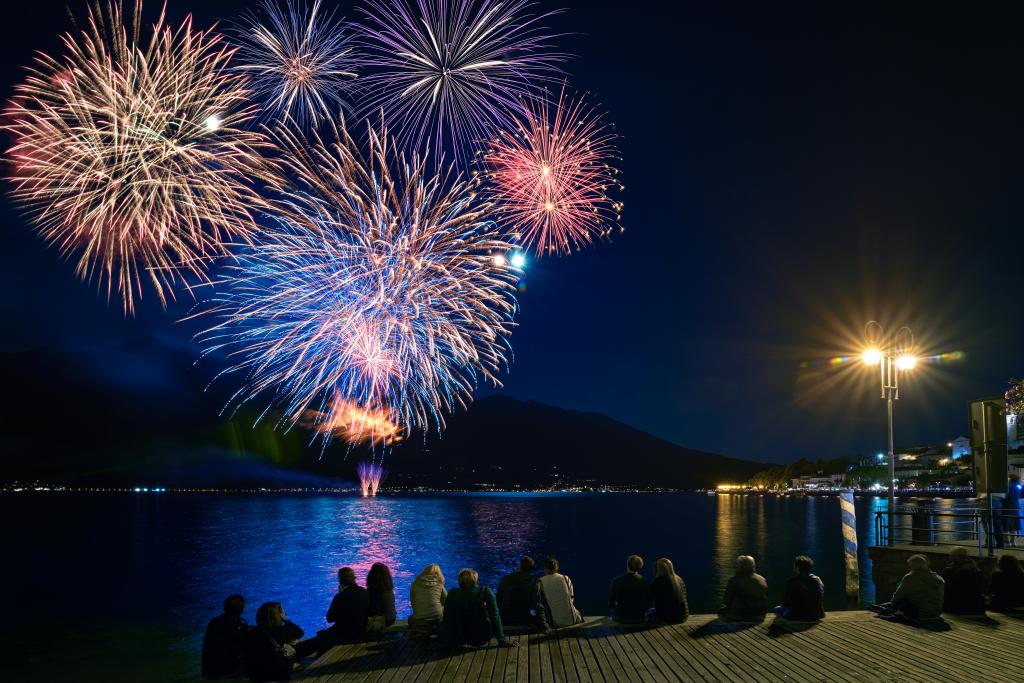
column 120, row 586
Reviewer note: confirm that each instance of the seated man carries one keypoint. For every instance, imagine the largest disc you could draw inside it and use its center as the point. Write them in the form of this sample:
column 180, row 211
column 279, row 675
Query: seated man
column 965, row 585
column 224, row 640
column 919, row 595
column 630, row 594
column 746, row 594
column 802, row 599
column 348, row 610
column 519, row 599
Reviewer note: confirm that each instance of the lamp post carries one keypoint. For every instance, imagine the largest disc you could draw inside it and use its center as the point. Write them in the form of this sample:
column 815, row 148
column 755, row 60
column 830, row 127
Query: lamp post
column 892, row 356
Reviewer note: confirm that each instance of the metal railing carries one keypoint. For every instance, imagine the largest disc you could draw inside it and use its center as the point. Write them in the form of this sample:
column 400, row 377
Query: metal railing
column 929, row 526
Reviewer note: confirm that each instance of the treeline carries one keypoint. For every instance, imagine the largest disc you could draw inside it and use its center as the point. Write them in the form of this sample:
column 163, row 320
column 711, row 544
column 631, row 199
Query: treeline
column 779, row 477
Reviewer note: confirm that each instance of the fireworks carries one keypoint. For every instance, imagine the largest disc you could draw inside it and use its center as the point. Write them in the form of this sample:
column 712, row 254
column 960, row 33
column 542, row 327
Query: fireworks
column 354, row 425
column 551, row 180
column 448, row 72
column 132, row 154
column 300, row 62
column 374, row 285
column 370, row 477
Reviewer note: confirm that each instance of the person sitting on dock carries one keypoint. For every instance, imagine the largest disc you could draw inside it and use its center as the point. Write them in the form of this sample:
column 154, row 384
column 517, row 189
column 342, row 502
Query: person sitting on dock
column 668, row 592
column 348, row 610
column 1007, row 587
column 919, row 595
column 519, row 599
column 559, row 596
column 802, row 599
column 427, row 595
column 288, row 632
column 470, row 615
column 266, row 658
column 746, row 593
column 965, row 585
column 381, row 589
column 224, row 640
column 630, row 595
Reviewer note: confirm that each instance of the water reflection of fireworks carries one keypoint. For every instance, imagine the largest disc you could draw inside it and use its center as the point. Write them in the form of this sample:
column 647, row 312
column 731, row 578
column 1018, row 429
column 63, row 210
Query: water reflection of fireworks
column 370, row 476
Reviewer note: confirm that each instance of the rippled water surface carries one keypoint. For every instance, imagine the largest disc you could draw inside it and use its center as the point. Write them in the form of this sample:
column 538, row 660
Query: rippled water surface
column 107, row 584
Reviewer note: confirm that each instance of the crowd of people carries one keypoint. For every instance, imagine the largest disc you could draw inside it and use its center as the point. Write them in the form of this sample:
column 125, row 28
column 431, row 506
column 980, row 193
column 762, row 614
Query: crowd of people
column 474, row 615
column 962, row 588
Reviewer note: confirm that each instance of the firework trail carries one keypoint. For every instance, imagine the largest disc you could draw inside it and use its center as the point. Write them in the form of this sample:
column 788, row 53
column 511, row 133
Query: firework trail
column 550, row 180
column 375, row 285
column 132, row 154
column 370, row 477
column 299, row 62
column 451, row 72
column 353, row 424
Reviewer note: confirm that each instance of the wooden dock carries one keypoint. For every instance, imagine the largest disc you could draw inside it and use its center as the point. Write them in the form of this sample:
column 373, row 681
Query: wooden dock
column 846, row 646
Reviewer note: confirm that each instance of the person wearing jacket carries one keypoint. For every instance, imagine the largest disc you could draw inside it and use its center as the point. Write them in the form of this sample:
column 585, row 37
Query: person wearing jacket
column 380, row 610
column 1007, row 587
column 427, row 596
column 803, row 598
column 920, row 593
column 746, row 593
column 348, row 611
column 559, row 596
column 461, row 615
column 224, row 640
column 519, row 598
column 629, row 594
column 267, row 659
column 965, row 585
column 668, row 592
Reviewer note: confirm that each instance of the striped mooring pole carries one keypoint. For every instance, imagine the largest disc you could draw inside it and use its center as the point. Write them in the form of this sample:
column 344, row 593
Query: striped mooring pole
column 850, row 548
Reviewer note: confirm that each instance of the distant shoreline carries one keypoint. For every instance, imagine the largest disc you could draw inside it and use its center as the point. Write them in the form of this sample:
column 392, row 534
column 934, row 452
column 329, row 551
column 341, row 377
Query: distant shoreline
column 406, row 491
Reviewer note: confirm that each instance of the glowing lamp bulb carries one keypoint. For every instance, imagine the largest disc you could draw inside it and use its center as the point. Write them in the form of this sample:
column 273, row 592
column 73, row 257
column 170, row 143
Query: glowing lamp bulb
column 872, row 357
column 213, row 122
column 518, row 260
column 906, row 362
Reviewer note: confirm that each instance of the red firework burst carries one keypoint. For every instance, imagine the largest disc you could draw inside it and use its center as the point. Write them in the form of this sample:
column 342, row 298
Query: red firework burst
column 551, row 180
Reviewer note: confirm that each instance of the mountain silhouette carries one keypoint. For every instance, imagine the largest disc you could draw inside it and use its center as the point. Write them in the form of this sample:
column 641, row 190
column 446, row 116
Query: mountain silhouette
column 141, row 414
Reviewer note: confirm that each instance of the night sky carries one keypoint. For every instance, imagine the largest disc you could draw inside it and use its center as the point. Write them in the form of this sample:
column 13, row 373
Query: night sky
column 791, row 173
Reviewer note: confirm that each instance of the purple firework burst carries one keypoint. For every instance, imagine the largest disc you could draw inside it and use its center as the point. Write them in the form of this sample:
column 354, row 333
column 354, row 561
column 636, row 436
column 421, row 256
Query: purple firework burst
column 451, row 72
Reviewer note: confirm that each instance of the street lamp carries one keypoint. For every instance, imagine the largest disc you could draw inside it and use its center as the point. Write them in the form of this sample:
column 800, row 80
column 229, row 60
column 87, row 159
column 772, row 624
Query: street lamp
column 893, row 357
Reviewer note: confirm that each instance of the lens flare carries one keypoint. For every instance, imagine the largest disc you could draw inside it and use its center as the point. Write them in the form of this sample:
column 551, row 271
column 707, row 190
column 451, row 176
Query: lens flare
column 550, row 181
column 375, row 284
column 133, row 154
column 452, row 72
column 299, row 60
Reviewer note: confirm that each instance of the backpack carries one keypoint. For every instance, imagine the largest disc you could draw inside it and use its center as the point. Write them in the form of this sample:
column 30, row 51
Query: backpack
column 478, row 628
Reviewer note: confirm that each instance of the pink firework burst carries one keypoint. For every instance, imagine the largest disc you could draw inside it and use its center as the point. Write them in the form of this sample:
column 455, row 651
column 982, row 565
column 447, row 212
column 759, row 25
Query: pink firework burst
column 552, row 179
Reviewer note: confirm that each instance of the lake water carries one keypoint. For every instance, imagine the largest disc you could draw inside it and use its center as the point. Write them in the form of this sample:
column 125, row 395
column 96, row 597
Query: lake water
column 120, row 586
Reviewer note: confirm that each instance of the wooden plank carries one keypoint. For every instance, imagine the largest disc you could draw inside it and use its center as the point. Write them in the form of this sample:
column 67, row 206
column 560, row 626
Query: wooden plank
column 847, row 647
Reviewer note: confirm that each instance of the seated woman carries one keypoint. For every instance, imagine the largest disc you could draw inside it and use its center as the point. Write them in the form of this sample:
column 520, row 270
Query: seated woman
column 266, row 657
column 802, row 599
column 381, row 611
column 1007, row 585
column 559, row 596
column 427, row 596
column 470, row 615
column 669, row 594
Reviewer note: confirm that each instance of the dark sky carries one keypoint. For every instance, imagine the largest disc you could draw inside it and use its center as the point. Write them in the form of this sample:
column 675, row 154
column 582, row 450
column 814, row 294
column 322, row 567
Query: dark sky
column 791, row 172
